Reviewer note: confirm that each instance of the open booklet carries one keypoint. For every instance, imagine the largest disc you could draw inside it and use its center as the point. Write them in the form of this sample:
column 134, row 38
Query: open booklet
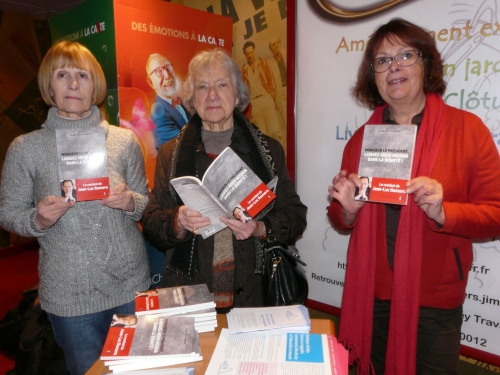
column 385, row 163
column 229, row 189
column 82, row 162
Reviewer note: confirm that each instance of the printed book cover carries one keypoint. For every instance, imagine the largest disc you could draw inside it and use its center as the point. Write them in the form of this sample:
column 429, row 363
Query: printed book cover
column 150, row 337
column 229, row 188
column 385, row 163
column 174, row 300
column 82, row 161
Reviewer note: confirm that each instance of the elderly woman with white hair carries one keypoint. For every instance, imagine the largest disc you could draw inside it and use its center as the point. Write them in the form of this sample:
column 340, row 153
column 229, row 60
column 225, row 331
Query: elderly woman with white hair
column 230, row 262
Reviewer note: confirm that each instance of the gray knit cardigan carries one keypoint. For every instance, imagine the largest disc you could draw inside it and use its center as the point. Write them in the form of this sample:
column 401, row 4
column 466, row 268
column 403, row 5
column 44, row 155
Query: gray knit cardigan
column 94, row 257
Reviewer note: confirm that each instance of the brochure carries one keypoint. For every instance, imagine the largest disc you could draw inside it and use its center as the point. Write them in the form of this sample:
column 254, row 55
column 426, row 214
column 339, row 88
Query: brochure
column 294, row 318
column 277, row 353
column 143, row 341
column 169, row 371
column 385, row 163
column 83, row 170
column 229, row 189
column 174, row 300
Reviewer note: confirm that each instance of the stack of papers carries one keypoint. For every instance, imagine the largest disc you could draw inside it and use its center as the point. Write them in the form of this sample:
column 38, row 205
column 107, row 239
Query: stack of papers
column 294, row 318
column 170, row 371
column 150, row 341
column 188, row 300
column 278, row 353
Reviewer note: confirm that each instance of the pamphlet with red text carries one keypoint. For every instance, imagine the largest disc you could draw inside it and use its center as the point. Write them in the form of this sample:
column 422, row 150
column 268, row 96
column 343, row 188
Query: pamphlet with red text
column 385, row 163
column 137, row 342
column 175, row 299
column 229, row 189
column 194, row 301
column 82, row 161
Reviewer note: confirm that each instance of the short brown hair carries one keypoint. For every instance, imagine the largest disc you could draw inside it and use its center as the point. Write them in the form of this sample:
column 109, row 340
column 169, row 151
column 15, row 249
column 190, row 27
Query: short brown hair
column 70, row 54
column 365, row 90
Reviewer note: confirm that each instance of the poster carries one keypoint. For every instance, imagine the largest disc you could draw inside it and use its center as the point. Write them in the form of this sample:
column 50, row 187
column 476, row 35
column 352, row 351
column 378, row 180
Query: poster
column 260, row 50
column 331, row 39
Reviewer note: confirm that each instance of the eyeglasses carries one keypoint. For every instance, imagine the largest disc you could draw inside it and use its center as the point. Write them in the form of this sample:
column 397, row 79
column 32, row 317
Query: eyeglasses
column 406, row 58
column 159, row 71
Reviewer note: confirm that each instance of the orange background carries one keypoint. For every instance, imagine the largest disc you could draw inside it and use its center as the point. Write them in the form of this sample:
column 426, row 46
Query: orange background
column 134, row 46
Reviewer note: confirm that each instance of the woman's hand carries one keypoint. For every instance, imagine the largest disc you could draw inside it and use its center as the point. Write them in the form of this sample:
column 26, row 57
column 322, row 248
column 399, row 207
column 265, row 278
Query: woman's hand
column 428, row 195
column 120, row 197
column 191, row 220
column 342, row 189
column 242, row 230
column 50, row 209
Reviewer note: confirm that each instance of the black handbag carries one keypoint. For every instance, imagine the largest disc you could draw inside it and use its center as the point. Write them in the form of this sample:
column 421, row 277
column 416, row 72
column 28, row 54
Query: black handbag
column 285, row 282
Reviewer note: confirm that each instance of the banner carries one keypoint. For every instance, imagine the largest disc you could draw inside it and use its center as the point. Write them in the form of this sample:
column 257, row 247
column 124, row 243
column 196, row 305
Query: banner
column 330, row 43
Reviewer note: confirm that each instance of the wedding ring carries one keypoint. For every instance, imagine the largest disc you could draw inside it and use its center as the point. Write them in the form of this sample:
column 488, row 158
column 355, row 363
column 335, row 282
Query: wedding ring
column 193, row 230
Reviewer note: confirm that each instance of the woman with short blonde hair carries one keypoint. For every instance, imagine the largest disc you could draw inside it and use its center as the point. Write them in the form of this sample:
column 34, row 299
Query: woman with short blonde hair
column 92, row 255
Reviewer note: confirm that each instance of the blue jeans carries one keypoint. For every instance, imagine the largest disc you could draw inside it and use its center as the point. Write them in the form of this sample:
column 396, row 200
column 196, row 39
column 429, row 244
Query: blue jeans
column 82, row 337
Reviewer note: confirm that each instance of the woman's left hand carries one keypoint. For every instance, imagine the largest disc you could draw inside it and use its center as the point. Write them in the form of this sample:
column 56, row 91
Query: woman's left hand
column 428, row 195
column 242, row 231
column 121, row 198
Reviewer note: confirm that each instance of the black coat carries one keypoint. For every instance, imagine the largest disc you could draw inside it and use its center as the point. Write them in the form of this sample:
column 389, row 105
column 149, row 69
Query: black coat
column 287, row 218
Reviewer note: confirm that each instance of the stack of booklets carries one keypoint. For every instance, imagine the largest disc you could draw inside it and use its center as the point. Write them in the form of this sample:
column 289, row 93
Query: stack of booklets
column 294, row 318
column 278, row 353
column 168, row 371
column 150, row 341
column 188, row 300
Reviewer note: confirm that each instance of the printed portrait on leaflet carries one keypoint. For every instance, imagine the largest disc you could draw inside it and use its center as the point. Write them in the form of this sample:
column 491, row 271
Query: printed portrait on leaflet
column 68, row 192
column 123, row 320
column 363, row 192
column 240, row 214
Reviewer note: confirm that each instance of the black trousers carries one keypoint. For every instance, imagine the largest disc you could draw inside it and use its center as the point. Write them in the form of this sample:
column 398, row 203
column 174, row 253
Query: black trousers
column 438, row 341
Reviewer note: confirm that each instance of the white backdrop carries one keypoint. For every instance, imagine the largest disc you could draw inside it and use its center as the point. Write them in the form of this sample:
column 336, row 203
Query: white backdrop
column 328, row 56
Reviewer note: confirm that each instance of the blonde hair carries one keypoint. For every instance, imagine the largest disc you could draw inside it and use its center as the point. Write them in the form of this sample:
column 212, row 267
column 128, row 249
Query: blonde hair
column 70, row 54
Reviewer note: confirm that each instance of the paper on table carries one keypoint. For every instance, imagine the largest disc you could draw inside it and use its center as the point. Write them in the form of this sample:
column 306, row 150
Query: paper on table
column 294, row 318
column 275, row 353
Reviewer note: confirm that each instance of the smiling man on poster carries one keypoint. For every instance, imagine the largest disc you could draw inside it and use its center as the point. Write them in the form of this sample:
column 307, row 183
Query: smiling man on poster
column 167, row 113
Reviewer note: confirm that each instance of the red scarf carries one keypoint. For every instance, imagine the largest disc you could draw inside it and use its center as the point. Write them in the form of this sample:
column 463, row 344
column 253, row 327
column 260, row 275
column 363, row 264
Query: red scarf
column 359, row 288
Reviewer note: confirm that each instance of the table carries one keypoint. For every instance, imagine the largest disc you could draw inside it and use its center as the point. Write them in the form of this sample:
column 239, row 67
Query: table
column 208, row 341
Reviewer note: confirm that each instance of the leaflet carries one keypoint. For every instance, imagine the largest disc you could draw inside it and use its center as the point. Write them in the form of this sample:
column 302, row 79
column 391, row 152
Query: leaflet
column 277, row 353
column 294, row 318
